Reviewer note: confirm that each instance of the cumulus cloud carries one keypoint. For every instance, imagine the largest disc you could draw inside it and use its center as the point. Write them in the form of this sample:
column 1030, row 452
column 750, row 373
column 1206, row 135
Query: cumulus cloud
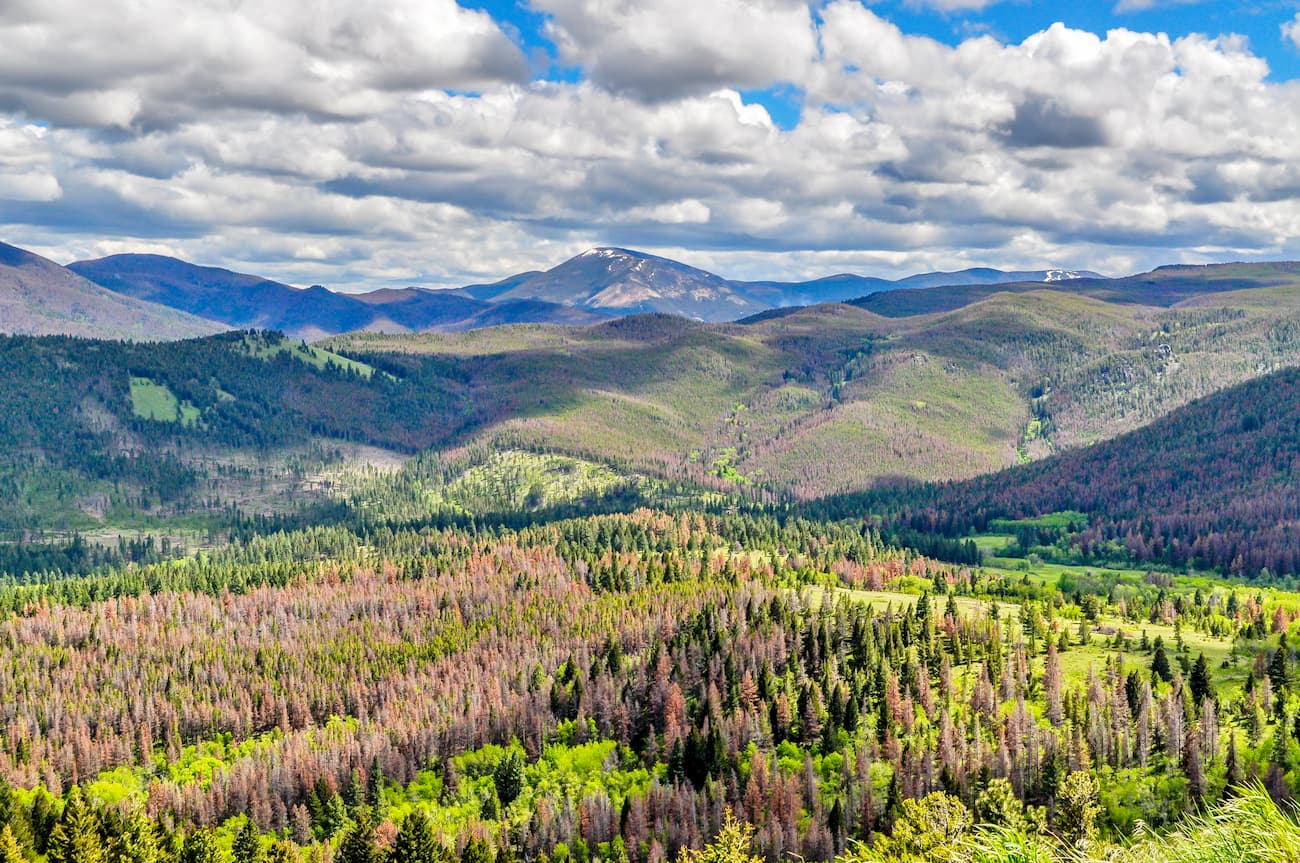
column 660, row 49
column 164, row 61
column 363, row 159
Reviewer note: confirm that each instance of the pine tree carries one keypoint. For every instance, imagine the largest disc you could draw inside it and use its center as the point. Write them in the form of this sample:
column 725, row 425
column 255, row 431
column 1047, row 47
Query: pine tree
column 10, row 850
column 358, row 845
column 508, row 777
column 76, row 838
column 415, row 842
column 281, row 852
column 476, row 851
column 1278, row 673
column 138, row 841
column 247, row 847
column 200, row 847
column 1200, row 682
column 1160, row 669
column 1076, row 808
column 375, row 788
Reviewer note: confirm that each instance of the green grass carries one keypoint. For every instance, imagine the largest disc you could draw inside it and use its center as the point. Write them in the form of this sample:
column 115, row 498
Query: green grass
column 154, row 401
column 313, row 356
column 1249, row 828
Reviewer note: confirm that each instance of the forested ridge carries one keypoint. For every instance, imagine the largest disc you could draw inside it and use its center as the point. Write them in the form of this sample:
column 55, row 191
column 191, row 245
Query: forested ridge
column 1209, row 487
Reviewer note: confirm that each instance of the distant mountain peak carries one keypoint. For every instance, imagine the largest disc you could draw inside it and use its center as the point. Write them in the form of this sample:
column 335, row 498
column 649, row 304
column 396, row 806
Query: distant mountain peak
column 613, row 279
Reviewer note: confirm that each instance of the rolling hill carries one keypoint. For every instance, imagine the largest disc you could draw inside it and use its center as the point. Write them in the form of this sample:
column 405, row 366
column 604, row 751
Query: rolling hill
column 791, row 405
column 39, row 297
column 833, row 397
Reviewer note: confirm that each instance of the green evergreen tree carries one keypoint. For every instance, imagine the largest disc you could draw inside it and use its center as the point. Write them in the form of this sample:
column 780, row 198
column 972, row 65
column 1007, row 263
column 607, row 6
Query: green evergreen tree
column 1200, row 682
column 508, row 777
column 1278, row 672
column 76, row 838
column 1160, row 669
column 476, row 851
column 375, row 788
column 247, row 847
column 10, row 850
column 281, row 852
column 138, row 841
column 201, row 847
column 358, row 845
column 415, row 842
column 1076, row 808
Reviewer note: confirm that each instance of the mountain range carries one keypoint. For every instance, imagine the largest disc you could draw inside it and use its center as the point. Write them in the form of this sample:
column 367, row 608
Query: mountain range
column 251, row 302
column 154, row 296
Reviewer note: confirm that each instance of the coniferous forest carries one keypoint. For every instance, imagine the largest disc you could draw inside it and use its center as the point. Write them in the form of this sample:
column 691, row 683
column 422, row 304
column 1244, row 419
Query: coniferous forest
column 480, row 647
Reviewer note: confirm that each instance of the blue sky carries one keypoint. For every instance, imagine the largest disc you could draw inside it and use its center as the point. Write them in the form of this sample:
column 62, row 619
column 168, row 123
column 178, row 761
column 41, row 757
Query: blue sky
column 432, row 142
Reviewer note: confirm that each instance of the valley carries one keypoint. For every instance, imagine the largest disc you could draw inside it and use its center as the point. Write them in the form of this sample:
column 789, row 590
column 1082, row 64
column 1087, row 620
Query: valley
column 1015, row 570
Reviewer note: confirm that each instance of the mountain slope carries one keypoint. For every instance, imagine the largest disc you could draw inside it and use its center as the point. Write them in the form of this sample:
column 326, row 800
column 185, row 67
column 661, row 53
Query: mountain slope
column 240, row 300
column 818, row 400
column 626, row 282
column 39, row 297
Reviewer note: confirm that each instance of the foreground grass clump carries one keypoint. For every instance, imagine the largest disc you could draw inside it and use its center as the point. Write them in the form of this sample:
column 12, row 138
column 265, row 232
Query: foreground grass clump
column 1250, row 828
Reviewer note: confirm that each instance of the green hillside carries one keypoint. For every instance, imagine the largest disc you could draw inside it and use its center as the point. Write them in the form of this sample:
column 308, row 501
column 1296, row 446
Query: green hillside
column 832, row 398
column 823, row 400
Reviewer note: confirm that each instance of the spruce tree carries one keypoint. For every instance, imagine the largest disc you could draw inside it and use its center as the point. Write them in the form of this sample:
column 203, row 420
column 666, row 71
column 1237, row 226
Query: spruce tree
column 200, row 847
column 476, row 851
column 358, row 845
column 247, row 847
column 508, row 777
column 1200, row 682
column 415, row 842
column 10, row 850
column 1160, row 670
column 1278, row 673
column 138, row 841
column 76, row 838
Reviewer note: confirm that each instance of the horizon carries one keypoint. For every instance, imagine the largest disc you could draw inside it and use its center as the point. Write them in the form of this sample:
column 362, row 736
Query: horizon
column 445, row 144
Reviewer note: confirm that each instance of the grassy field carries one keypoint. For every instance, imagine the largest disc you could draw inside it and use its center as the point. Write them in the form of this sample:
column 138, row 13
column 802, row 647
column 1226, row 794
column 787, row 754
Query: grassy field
column 154, row 401
column 312, row 355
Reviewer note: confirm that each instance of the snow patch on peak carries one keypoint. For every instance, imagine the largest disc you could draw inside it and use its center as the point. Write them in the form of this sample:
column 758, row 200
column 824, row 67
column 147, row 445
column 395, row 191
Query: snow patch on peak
column 1061, row 275
column 606, row 252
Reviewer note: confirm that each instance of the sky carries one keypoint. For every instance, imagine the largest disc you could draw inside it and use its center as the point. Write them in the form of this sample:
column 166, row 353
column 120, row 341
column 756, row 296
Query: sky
column 392, row 142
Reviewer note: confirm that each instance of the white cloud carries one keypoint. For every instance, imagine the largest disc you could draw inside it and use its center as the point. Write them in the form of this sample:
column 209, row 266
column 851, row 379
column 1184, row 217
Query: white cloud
column 909, row 154
column 661, row 49
column 164, row 61
column 1291, row 31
